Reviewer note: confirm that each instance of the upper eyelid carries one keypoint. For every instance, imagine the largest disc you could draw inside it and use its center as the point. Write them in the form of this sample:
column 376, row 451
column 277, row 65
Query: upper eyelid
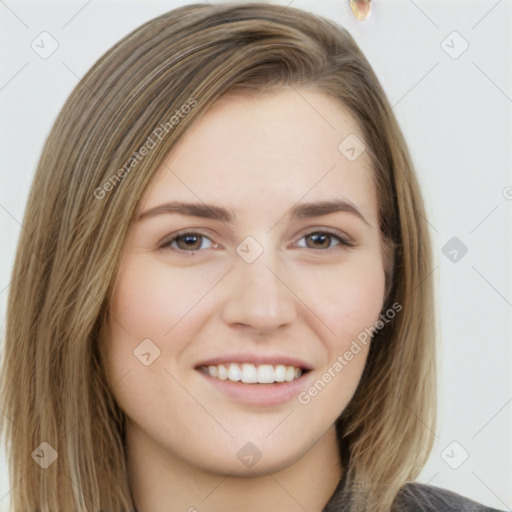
column 344, row 238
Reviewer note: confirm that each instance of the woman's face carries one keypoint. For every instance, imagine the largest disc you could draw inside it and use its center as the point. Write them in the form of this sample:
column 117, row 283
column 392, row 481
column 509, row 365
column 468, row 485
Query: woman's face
column 237, row 270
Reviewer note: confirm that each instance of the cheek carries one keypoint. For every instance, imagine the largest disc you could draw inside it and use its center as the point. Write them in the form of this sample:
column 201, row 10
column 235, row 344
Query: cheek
column 151, row 298
column 147, row 303
column 348, row 301
column 150, row 305
column 349, row 298
column 154, row 301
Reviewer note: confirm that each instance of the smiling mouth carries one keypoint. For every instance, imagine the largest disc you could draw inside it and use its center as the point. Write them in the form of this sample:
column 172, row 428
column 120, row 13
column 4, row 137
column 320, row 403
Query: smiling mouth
column 248, row 373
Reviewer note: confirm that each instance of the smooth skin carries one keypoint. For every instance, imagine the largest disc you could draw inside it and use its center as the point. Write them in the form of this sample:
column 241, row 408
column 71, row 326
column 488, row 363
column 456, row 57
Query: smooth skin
column 306, row 296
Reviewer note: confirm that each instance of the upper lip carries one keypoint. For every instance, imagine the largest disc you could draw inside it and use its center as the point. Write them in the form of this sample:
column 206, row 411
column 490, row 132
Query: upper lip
column 256, row 359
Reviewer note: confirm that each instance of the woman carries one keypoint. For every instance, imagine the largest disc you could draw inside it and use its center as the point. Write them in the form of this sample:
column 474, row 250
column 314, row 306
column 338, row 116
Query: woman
column 222, row 296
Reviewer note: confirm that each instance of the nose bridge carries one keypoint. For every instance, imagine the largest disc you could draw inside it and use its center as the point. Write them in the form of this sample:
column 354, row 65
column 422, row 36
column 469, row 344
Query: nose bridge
column 261, row 279
column 258, row 297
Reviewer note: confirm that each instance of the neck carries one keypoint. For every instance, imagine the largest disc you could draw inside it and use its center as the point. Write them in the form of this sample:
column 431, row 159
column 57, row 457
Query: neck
column 161, row 482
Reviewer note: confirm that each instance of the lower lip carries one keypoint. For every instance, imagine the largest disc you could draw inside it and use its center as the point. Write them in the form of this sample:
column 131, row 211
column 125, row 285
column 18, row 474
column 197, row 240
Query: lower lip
column 259, row 394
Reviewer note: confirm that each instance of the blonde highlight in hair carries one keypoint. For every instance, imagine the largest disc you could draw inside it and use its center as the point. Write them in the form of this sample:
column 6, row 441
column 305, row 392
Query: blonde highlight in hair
column 54, row 385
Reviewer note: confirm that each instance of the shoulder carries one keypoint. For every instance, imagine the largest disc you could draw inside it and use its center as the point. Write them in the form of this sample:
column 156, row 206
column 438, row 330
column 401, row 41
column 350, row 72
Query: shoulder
column 417, row 497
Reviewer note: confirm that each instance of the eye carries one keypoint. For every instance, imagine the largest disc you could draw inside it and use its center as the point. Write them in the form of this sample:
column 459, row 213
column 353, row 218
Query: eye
column 323, row 240
column 186, row 242
column 192, row 242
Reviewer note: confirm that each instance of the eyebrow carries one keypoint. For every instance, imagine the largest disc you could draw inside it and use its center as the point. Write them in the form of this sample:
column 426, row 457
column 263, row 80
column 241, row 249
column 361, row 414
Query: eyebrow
column 214, row 212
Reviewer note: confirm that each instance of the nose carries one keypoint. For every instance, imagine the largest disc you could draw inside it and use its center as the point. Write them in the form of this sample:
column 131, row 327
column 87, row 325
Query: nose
column 259, row 297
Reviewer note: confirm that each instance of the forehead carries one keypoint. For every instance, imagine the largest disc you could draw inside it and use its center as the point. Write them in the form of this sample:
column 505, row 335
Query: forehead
column 269, row 150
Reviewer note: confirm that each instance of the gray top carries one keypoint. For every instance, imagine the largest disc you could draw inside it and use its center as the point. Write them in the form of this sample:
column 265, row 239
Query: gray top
column 416, row 497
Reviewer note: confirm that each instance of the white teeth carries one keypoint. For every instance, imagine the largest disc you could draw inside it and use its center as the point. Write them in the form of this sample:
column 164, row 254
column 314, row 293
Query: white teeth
column 222, row 372
column 265, row 374
column 280, row 373
column 251, row 374
column 234, row 372
column 290, row 373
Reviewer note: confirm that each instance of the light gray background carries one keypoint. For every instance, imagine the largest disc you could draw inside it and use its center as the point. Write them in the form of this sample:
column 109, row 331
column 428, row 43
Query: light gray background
column 456, row 115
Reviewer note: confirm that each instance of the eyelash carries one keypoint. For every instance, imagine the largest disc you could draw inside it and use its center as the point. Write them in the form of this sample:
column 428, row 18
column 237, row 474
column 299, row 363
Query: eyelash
column 166, row 244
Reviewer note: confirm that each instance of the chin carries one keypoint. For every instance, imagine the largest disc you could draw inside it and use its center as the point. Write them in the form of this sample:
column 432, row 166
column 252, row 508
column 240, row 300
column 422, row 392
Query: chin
column 247, row 460
column 264, row 466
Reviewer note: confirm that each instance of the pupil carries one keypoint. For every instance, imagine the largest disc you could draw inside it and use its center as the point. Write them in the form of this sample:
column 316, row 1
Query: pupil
column 189, row 240
column 319, row 237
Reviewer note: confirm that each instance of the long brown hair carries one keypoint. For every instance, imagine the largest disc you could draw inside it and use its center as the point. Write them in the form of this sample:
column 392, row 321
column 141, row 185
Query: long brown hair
column 90, row 177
